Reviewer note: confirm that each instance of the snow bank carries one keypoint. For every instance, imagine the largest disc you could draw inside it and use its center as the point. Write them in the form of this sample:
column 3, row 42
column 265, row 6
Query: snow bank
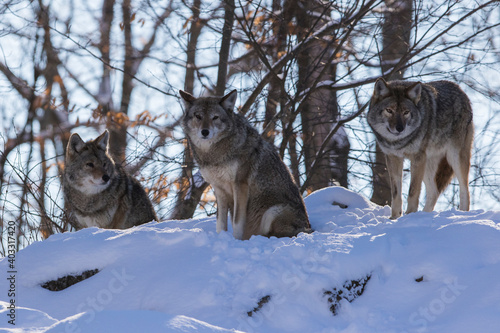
column 430, row 272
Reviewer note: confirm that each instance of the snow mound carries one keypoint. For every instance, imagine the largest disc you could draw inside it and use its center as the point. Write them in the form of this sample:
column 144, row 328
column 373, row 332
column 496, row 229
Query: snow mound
column 107, row 321
column 429, row 272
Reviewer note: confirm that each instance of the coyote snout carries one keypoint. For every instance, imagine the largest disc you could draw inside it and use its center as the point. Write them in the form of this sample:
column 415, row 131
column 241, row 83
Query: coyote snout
column 396, row 121
column 100, row 177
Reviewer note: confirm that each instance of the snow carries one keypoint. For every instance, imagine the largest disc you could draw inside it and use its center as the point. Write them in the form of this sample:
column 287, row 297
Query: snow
column 430, row 272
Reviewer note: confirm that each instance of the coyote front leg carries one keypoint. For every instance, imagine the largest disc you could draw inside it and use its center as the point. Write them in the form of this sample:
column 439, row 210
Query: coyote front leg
column 239, row 218
column 395, row 169
column 417, row 170
column 222, row 209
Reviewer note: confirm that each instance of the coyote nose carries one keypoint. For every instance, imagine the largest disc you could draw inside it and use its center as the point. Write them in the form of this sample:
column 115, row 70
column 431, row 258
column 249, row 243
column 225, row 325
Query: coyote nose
column 105, row 178
column 400, row 125
column 205, row 132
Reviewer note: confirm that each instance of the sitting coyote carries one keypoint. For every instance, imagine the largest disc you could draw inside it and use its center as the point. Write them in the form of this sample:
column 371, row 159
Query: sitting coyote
column 98, row 192
column 250, row 180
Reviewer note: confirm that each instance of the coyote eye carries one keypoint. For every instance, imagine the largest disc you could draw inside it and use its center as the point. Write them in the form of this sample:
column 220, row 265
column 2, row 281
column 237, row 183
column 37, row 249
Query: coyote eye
column 90, row 164
column 215, row 118
column 198, row 117
column 389, row 111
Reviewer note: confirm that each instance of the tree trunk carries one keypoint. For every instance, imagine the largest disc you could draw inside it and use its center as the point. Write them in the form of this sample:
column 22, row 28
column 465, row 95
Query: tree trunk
column 227, row 31
column 275, row 96
column 396, row 31
column 189, row 193
column 192, row 185
column 319, row 112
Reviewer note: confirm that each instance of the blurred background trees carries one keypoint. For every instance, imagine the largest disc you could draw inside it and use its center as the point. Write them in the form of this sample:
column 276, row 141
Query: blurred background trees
column 303, row 70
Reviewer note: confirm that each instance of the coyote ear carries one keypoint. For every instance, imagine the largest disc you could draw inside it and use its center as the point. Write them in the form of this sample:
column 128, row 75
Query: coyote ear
column 381, row 89
column 228, row 101
column 187, row 96
column 103, row 140
column 414, row 92
column 75, row 144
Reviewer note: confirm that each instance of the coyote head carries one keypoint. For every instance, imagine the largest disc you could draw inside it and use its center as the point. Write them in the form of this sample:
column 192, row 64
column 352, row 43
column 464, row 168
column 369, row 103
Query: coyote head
column 89, row 168
column 393, row 108
column 207, row 119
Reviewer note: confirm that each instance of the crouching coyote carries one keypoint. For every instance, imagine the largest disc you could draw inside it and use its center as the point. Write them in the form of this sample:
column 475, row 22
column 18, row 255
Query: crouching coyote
column 98, row 191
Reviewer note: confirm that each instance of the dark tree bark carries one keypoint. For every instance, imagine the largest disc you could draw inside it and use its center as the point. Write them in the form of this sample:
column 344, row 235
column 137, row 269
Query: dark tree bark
column 190, row 192
column 275, row 96
column 320, row 111
column 225, row 47
column 133, row 58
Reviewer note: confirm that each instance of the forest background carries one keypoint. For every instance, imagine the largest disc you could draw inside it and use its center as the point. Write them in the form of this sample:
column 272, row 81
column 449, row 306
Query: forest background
column 304, row 71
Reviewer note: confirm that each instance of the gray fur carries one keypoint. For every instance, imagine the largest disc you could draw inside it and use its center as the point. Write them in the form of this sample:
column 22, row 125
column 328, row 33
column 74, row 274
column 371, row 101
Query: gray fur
column 98, row 192
column 250, row 180
column 430, row 124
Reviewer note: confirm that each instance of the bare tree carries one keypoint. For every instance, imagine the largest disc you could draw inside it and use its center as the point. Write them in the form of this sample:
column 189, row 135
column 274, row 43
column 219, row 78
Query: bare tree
column 319, row 111
column 50, row 101
column 304, row 71
column 190, row 188
column 192, row 184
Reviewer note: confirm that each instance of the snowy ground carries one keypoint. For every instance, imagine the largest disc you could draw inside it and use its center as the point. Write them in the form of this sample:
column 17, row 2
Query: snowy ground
column 430, row 272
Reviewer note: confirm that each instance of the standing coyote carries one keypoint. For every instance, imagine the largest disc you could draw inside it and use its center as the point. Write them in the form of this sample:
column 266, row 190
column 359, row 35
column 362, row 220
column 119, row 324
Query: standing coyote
column 250, row 180
column 98, row 192
column 430, row 124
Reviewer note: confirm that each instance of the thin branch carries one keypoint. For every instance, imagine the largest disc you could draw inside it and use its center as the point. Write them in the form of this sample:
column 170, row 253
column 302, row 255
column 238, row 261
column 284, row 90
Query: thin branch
column 227, row 31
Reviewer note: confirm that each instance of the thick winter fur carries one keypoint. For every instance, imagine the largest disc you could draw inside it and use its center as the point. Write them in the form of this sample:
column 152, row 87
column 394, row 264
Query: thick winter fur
column 250, row 180
column 98, row 192
column 430, row 124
